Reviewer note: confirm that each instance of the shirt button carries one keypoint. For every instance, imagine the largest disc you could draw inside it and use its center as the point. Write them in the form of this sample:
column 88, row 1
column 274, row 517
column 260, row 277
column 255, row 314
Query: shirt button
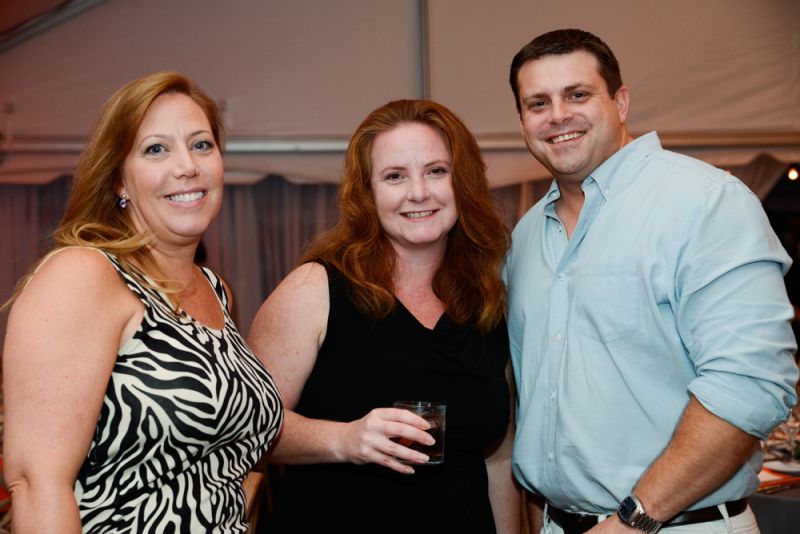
column 552, row 395
column 557, row 337
column 551, row 456
column 573, row 508
column 562, row 276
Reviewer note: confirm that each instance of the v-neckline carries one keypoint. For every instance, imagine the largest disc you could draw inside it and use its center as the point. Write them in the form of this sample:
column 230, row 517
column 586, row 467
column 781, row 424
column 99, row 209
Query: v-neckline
column 417, row 321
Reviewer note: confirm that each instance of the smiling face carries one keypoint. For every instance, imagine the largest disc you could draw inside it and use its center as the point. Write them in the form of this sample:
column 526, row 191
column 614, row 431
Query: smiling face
column 412, row 185
column 173, row 173
column 569, row 121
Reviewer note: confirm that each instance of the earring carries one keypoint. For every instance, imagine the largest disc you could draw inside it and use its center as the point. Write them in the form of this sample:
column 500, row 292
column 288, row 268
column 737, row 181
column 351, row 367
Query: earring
column 123, row 200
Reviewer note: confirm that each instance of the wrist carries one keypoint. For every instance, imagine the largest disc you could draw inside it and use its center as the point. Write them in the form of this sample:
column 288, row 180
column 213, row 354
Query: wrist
column 338, row 445
column 631, row 512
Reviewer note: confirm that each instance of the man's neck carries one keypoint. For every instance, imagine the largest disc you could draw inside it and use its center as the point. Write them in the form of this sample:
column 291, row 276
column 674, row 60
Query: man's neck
column 569, row 204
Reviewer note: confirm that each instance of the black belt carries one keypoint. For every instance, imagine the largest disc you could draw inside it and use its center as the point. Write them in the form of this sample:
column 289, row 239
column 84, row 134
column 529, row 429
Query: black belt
column 573, row 523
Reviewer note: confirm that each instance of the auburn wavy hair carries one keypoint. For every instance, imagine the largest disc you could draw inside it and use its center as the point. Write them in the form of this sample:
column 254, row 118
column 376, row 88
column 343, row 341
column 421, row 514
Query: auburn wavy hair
column 468, row 281
column 93, row 217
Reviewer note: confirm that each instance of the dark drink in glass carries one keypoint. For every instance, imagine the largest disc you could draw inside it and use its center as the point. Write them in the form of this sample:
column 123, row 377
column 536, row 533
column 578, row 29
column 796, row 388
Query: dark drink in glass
column 434, row 413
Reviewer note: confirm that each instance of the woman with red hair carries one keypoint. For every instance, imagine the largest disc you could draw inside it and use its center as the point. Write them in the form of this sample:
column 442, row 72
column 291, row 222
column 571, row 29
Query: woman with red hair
column 402, row 299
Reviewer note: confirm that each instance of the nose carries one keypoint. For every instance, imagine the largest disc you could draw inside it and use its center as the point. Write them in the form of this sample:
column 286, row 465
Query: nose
column 185, row 165
column 560, row 111
column 417, row 189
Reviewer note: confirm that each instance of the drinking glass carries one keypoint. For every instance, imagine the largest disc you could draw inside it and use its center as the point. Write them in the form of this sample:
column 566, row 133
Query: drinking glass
column 434, row 413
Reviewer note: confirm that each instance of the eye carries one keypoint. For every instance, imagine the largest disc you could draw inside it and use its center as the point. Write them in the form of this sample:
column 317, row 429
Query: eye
column 155, row 149
column 439, row 171
column 579, row 95
column 536, row 105
column 203, row 145
column 393, row 177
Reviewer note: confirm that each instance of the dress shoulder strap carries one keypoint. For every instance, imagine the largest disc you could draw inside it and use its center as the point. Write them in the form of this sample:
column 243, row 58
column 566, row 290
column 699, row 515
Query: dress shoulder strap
column 217, row 284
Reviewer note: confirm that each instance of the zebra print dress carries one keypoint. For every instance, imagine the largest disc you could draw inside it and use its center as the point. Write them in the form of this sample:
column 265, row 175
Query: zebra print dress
column 187, row 412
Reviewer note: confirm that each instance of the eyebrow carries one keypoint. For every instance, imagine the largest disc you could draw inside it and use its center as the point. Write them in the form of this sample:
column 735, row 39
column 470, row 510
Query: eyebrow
column 429, row 164
column 438, row 162
column 166, row 136
column 564, row 90
column 391, row 168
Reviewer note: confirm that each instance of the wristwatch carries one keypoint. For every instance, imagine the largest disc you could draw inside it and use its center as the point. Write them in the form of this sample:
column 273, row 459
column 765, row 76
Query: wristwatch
column 632, row 513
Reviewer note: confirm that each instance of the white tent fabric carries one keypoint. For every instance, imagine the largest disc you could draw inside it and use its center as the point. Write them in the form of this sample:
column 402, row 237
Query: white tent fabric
column 719, row 79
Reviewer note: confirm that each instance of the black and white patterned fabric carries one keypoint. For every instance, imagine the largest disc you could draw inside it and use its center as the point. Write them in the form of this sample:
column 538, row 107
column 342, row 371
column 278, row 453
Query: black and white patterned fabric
column 187, row 412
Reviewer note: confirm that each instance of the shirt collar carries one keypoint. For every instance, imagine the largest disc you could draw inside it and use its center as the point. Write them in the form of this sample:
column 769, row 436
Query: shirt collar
column 612, row 171
column 553, row 194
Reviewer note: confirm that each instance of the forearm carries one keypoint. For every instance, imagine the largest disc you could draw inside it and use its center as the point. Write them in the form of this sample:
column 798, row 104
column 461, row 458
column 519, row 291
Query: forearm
column 306, row 441
column 44, row 509
column 703, row 454
column 504, row 496
column 534, row 510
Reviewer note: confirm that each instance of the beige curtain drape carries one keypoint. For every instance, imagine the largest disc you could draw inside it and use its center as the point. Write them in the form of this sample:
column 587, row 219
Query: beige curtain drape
column 261, row 231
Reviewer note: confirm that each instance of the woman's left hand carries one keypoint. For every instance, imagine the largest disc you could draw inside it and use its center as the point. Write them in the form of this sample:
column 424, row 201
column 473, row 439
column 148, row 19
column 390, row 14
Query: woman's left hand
column 383, row 437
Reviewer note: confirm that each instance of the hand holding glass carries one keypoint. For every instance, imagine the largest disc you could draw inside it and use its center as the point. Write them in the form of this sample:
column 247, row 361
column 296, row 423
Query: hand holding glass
column 434, row 414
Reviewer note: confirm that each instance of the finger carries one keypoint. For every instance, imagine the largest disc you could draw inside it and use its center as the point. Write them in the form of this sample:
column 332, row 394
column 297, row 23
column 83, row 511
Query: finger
column 403, row 416
column 395, row 465
column 407, row 434
column 402, row 451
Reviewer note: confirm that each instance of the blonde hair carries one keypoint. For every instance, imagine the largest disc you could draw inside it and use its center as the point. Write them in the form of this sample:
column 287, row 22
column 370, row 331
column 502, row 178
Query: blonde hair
column 93, row 217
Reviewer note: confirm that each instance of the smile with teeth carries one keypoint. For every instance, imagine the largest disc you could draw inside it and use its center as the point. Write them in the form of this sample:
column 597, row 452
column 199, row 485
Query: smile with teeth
column 417, row 214
column 186, row 197
column 565, row 137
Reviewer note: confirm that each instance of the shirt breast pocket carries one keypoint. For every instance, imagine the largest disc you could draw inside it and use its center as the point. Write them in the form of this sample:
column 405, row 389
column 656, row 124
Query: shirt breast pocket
column 607, row 300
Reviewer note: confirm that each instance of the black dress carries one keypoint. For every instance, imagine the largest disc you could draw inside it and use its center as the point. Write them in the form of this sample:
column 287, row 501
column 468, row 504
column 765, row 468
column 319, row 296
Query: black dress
column 364, row 364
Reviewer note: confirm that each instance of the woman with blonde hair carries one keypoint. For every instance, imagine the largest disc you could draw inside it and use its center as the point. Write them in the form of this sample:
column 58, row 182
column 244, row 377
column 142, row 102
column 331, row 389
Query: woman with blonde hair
column 402, row 300
column 132, row 403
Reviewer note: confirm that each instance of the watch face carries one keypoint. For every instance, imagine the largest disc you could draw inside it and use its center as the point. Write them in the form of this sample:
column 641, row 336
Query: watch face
column 627, row 508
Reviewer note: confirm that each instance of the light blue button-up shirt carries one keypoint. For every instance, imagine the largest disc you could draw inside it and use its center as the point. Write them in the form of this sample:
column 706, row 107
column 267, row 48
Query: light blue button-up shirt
column 671, row 285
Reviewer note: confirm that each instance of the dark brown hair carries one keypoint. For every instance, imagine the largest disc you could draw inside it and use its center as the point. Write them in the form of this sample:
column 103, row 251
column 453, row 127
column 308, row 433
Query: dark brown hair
column 565, row 42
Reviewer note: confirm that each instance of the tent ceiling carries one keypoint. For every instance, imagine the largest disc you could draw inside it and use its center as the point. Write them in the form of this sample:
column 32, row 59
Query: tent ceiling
column 719, row 79
column 15, row 13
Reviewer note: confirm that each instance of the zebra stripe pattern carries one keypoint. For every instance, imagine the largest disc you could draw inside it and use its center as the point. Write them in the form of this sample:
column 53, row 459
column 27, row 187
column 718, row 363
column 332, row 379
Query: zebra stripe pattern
column 188, row 411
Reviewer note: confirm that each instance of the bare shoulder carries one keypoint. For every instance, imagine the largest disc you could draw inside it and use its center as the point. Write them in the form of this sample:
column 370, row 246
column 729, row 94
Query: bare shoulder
column 299, row 302
column 75, row 279
column 303, row 291
column 63, row 336
column 290, row 327
column 308, row 277
column 75, row 267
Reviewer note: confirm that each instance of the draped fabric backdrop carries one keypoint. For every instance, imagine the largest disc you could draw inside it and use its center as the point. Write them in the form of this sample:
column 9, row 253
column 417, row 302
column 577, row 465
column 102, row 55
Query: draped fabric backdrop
column 258, row 237
column 260, row 233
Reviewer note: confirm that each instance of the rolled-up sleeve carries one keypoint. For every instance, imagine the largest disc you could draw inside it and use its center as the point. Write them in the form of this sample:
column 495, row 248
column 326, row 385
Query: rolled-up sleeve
column 733, row 313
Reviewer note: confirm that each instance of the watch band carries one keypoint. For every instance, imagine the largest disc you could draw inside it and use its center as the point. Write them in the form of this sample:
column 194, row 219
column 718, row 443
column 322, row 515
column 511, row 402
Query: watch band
column 631, row 512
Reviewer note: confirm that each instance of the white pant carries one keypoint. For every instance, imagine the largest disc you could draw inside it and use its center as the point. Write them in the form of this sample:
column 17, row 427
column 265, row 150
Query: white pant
column 744, row 523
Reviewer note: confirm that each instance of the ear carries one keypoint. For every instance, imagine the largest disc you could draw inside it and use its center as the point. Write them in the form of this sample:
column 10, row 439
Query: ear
column 120, row 186
column 622, row 100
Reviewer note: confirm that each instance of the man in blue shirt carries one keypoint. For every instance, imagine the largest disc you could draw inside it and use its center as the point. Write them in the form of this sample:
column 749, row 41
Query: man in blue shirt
column 648, row 319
